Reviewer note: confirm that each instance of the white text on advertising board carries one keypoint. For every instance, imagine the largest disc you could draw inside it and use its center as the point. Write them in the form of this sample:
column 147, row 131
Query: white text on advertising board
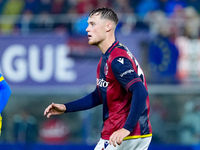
column 40, row 65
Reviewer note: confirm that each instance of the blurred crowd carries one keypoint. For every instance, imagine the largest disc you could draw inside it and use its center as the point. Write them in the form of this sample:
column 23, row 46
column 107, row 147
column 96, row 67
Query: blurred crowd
column 178, row 16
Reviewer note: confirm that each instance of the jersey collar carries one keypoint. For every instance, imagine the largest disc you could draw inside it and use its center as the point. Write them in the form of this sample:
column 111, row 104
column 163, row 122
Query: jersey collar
column 111, row 47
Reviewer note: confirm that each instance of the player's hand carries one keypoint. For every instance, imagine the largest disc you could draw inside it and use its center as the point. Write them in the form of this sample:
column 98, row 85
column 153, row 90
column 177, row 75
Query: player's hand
column 54, row 109
column 118, row 136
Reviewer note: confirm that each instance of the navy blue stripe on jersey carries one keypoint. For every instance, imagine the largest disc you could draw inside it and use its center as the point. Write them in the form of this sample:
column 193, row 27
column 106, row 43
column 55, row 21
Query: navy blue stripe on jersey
column 104, row 89
column 143, row 120
column 89, row 101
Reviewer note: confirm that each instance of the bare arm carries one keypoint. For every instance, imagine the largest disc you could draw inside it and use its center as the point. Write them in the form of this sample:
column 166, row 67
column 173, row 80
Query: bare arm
column 54, row 109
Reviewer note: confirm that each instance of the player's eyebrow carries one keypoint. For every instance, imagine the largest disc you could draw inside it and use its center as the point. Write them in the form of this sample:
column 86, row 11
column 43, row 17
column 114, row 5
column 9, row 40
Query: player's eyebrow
column 89, row 22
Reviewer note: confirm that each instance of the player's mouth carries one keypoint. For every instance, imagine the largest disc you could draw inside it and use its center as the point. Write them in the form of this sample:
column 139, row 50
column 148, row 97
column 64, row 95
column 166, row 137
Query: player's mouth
column 89, row 36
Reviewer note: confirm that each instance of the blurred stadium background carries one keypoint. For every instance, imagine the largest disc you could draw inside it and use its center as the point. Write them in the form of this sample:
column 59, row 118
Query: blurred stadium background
column 44, row 56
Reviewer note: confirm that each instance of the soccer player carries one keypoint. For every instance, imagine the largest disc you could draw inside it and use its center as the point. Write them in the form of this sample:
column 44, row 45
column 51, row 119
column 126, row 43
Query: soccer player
column 4, row 96
column 120, row 86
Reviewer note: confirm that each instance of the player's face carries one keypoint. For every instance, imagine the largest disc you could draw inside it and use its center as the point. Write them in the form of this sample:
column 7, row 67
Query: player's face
column 96, row 30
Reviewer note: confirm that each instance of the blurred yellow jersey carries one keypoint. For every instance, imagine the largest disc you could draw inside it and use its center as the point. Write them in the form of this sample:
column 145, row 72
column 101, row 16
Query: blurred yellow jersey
column 0, row 124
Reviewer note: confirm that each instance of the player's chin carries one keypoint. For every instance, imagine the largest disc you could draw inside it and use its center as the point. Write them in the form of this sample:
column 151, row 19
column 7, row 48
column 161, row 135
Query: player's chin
column 92, row 43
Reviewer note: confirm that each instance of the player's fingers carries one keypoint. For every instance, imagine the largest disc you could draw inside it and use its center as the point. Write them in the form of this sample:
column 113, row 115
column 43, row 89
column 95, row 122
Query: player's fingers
column 114, row 143
column 53, row 105
column 47, row 110
column 112, row 140
column 48, row 115
column 119, row 141
column 56, row 106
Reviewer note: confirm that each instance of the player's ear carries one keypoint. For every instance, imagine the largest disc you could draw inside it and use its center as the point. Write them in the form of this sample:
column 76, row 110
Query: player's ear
column 108, row 26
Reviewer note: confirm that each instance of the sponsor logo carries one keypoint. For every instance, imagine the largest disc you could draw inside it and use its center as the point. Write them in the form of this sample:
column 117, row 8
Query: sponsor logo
column 126, row 72
column 121, row 60
column 102, row 83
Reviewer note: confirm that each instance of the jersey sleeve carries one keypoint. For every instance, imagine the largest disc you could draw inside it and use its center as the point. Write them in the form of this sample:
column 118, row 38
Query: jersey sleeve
column 129, row 79
column 5, row 92
column 124, row 72
column 89, row 101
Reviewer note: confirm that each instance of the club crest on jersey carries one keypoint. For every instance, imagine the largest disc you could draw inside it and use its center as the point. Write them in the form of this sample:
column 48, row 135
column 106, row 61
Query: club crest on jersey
column 106, row 69
column 121, row 60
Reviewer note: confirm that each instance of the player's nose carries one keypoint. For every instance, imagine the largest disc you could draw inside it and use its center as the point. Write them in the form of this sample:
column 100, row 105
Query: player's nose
column 87, row 29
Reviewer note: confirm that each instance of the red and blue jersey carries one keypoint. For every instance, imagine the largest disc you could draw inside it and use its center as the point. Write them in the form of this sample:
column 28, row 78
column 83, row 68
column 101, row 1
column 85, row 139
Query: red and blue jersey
column 117, row 73
column 122, row 89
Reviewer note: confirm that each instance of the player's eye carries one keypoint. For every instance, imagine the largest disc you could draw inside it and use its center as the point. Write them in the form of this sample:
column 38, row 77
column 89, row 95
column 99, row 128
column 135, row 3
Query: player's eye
column 92, row 23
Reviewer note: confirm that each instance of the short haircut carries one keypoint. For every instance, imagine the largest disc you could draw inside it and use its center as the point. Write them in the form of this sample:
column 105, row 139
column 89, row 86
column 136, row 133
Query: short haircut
column 106, row 13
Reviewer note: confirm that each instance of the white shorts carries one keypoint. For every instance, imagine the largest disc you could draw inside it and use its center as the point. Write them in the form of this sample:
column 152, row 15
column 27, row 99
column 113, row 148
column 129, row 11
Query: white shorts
column 132, row 144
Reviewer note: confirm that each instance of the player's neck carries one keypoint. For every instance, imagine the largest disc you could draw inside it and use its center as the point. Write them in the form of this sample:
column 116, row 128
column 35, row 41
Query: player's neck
column 104, row 45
